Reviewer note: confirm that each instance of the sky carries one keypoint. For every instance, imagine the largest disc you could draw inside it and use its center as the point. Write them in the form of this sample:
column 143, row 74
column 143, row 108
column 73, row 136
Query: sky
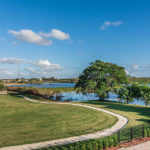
column 59, row 38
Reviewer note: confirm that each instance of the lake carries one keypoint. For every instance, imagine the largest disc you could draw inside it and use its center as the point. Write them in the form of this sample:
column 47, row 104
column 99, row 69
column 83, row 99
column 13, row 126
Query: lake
column 73, row 96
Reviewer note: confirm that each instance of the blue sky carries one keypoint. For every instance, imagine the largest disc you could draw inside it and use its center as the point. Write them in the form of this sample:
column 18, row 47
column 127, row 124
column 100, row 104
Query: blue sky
column 61, row 37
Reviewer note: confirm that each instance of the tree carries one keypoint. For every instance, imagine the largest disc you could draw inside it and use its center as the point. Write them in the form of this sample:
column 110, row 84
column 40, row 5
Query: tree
column 101, row 78
column 126, row 93
column 145, row 94
column 134, row 91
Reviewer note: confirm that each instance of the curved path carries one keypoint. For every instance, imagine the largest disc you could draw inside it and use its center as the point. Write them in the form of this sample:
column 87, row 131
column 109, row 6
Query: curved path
column 122, row 121
column 142, row 146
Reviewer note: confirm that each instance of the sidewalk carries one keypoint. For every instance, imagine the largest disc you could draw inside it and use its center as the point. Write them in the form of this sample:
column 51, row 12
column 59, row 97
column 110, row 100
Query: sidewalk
column 142, row 146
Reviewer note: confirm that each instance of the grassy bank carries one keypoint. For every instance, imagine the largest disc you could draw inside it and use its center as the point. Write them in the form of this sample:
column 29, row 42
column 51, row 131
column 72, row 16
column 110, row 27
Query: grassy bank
column 42, row 92
column 23, row 122
column 135, row 113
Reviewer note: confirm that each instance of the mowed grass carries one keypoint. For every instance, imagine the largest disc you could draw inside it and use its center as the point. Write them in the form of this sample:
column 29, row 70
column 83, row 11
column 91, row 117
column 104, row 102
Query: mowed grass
column 136, row 114
column 23, row 122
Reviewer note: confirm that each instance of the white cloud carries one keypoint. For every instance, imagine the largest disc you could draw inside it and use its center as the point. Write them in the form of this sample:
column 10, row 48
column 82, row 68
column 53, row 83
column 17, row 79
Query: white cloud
column 29, row 36
column 33, row 68
column 57, row 34
column 5, row 73
column 109, row 23
column 45, row 64
column 138, row 70
column 11, row 60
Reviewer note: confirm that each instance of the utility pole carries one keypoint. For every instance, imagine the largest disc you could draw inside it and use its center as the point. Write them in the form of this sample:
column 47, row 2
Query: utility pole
column 19, row 71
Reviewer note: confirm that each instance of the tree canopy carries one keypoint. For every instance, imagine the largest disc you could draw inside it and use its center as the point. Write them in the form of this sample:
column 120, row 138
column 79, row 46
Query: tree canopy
column 101, row 78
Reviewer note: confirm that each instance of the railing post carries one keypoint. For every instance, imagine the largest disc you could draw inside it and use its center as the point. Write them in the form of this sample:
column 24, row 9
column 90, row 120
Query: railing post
column 131, row 133
column 143, row 130
column 118, row 134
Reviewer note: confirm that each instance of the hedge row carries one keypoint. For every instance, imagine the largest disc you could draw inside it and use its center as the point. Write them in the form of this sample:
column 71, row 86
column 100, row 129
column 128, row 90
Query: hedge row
column 98, row 144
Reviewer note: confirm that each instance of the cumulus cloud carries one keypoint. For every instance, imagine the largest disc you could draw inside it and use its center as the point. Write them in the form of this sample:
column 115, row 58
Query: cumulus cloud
column 138, row 70
column 29, row 36
column 45, row 64
column 40, row 38
column 107, row 24
column 57, row 34
column 37, row 68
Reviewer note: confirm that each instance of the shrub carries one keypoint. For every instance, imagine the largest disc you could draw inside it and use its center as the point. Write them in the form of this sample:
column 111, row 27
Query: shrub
column 89, row 146
column 145, row 133
column 105, row 143
column 100, row 144
column 71, row 148
column 83, row 147
column 95, row 145
column 77, row 147
column 115, row 140
column 148, row 132
column 64, row 148
column 111, row 142
column 2, row 87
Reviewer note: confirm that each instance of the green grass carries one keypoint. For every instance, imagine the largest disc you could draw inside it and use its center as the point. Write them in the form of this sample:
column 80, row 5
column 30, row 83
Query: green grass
column 136, row 114
column 24, row 122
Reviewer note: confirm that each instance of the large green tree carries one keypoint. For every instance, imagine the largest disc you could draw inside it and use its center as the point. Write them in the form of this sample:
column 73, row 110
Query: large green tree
column 101, row 78
column 145, row 94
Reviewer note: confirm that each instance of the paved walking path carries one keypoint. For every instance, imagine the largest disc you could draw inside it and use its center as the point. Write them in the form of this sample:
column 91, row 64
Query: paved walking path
column 122, row 121
column 143, row 146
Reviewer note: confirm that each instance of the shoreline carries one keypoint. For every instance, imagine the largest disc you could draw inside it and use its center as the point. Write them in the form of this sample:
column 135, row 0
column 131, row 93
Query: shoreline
column 7, row 84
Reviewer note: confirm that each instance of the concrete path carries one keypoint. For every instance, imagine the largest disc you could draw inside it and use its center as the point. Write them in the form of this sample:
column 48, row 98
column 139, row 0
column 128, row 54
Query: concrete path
column 122, row 121
column 143, row 146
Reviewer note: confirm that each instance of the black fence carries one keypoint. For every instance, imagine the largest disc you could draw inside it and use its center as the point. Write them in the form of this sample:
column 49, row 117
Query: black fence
column 128, row 134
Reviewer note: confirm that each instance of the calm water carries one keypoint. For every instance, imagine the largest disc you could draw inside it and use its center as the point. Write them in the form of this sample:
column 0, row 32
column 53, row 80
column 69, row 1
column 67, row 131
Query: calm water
column 48, row 85
column 73, row 96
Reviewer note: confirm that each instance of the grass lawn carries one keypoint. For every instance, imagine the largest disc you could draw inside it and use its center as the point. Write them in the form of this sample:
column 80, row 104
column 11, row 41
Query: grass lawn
column 135, row 113
column 23, row 122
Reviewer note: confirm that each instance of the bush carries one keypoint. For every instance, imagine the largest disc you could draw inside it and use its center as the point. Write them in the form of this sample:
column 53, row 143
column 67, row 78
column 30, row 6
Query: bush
column 83, row 147
column 77, row 147
column 105, row 143
column 111, row 142
column 89, row 146
column 64, row 148
column 148, row 132
column 100, row 144
column 95, row 145
column 145, row 133
column 2, row 87
column 71, row 148
column 115, row 140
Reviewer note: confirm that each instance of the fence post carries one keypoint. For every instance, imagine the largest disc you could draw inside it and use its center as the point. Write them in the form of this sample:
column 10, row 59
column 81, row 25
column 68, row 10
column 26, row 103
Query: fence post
column 131, row 133
column 118, row 133
column 143, row 130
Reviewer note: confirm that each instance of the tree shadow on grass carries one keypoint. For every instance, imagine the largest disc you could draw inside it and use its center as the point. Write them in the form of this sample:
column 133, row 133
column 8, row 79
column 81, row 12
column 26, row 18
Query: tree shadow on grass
column 144, row 120
column 140, row 110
